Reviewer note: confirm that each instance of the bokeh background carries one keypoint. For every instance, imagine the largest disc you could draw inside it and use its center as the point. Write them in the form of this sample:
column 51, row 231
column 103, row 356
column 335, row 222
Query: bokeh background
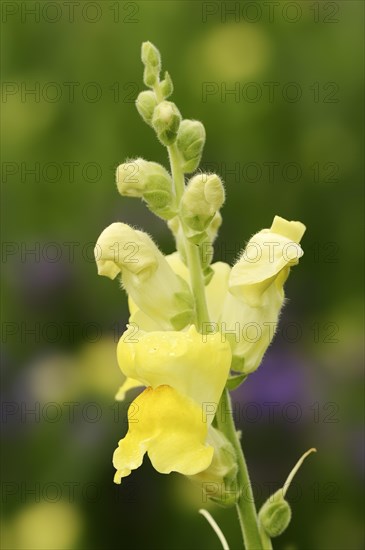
column 287, row 140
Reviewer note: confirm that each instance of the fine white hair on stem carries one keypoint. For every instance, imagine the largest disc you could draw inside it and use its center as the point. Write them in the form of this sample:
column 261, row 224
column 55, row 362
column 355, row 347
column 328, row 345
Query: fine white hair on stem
column 215, row 528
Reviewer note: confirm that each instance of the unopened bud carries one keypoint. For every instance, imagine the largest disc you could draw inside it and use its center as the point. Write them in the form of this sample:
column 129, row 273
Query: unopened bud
column 146, row 103
column 203, row 197
column 150, row 55
column 166, row 86
column 149, row 180
column 275, row 515
column 166, row 121
column 152, row 64
column 190, row 142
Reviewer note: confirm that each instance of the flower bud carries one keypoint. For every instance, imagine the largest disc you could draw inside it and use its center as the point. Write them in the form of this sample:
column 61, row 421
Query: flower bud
column 275, row 515
column 190, row 142
column 206, row 249
column 150, row 76
column 203, row 197
column 152, row 61
column 150, row 55
column 149, row 180
column 145, row 275
column 219, row 481
column 146, row 103
column 166, row 121
column 166, row 86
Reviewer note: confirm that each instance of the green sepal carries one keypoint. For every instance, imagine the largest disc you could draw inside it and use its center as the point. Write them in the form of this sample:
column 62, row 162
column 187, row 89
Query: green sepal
column 166, row 86
column 196, row 237
column 150, row 76
column 236, row 380
column 208, row 273
column 238, row 363
column 181, row 320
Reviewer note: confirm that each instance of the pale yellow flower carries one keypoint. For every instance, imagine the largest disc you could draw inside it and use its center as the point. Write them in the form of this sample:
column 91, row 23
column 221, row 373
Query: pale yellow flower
column 148, row 279
column 256, row 294
column 183, row 376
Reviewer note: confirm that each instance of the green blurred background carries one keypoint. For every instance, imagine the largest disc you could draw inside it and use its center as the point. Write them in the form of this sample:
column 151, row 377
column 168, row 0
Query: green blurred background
column 288, row 141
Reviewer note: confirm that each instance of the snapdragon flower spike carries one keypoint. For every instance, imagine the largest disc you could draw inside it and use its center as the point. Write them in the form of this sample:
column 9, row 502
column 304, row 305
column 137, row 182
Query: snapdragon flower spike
column 183, row 375
column 256, row 291
column 145, row 275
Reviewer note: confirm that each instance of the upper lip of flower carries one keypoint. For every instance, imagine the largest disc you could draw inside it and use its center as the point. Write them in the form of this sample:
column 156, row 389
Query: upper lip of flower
column 182, row 360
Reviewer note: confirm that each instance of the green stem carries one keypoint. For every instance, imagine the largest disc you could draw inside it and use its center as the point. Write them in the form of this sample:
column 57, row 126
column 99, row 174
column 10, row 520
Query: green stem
column 192, row 250
column 265, row 539
column 245, row 506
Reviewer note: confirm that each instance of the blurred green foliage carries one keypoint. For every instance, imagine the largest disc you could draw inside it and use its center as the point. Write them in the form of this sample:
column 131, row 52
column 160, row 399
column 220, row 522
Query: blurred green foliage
column 280, row 97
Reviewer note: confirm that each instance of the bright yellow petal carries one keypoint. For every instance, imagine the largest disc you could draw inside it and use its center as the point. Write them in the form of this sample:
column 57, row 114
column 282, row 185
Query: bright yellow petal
column 170, row 428
column 128, row 384
column 194, row 365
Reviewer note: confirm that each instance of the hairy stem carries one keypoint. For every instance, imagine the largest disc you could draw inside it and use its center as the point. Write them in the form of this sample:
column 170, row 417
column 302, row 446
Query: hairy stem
column 245, row 506
column 192, row 250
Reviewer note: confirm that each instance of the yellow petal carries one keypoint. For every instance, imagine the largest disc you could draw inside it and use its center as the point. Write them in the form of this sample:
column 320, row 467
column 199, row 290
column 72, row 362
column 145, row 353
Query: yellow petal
column 216, row 290
column 127, row 385
column 267, row 253
column 250, row 330
column 293, row 231
column 194, row 365
column 170, row 428
column 144, row 321
column 177, row 265
column 121, row 248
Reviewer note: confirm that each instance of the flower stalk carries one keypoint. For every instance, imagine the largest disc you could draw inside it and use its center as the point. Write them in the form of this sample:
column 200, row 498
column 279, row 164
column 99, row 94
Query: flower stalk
column 245, row 506
column 174, row 346
column 192, row 250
